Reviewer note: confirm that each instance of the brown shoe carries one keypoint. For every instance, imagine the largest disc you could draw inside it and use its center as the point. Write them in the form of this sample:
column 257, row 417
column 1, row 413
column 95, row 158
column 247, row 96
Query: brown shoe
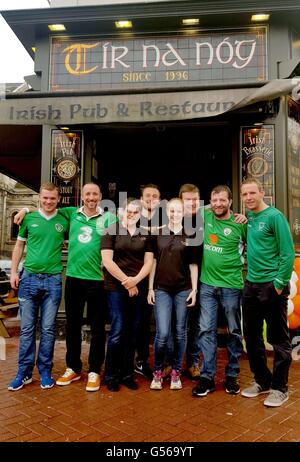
column 167, row 372
column 68, row 377
column 193, row 372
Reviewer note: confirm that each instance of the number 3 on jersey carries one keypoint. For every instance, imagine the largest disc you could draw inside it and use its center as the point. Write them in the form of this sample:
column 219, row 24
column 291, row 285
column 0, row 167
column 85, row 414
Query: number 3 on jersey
column 86, row 235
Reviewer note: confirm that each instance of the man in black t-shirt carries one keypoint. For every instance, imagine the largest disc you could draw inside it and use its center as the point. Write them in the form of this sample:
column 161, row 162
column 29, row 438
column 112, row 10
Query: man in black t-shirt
column 194, row 227
column 153, row 218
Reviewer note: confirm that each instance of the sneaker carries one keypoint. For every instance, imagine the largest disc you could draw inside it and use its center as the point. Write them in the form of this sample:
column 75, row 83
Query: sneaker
column 193, row 372
column 68, row 377
column 93, row 383
column 204, row 387
column 143, row 368
column 156, row 383
column 130, row 383
column 19, row 382
column 232, row 385
column 166, row 375
column 276, row 398
column 254, row 390
column 175, row 380
column 47, row 381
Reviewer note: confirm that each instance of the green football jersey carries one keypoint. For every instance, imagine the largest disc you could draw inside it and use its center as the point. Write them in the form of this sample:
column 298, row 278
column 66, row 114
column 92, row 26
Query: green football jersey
column 84, row 256
column 44, row 238
column 222, row 261
column 270, row 248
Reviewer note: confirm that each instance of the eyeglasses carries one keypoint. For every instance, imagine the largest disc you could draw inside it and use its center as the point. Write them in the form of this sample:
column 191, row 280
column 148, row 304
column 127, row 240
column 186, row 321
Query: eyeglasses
column 133, row 212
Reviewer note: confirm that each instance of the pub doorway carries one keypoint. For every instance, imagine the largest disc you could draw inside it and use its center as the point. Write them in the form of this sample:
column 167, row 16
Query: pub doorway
column 167, row 155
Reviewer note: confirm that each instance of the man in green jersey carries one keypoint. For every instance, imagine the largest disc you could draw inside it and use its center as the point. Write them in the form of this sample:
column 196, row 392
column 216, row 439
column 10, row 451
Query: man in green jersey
column 221, row 284
column 40, row 285
column 270, row 257
column 84, row 284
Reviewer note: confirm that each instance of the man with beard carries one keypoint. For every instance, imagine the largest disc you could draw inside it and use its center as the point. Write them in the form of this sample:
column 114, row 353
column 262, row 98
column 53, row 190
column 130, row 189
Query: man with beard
column 221, row 284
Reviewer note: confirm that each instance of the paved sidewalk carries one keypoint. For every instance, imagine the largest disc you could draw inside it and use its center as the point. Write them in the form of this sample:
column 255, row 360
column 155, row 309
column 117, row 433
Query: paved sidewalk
column 72, row 414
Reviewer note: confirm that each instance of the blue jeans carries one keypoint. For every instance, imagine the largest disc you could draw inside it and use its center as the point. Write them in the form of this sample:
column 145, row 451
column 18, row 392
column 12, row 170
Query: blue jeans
column 38, row 291
column 125, row 313
column 229, row 300
column 166, row 305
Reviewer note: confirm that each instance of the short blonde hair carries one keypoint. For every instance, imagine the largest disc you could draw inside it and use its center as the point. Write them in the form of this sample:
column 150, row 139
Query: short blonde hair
column 49, row 186
column 250, row 180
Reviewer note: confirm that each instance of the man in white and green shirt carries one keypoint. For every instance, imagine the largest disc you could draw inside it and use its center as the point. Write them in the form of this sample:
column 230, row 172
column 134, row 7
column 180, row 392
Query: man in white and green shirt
column 40, row 285
column 270, row 258
column 221, row 285
column 84, row 284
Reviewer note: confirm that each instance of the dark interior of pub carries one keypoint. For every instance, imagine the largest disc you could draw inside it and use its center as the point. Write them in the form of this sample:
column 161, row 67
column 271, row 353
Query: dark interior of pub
column 164, row 154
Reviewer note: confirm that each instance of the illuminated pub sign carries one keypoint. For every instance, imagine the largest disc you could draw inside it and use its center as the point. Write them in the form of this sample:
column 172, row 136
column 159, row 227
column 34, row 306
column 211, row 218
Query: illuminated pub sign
column 85, row 63
column 66, row 165
column 257, row 152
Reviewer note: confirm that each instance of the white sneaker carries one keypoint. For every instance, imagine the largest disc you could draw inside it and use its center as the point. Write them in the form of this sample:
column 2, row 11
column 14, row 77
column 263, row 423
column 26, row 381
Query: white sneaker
column 254, row 390
column 276, row 398
column 156, row 383
column 93, row 383
column 175, row 381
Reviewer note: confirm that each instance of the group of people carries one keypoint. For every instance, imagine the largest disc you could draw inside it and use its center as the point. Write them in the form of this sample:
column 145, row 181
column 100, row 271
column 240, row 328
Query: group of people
column 184, row 259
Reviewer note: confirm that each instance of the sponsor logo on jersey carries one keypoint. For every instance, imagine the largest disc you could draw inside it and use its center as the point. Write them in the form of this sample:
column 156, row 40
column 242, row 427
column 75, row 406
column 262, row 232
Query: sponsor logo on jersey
column 213, row 248
column 213, row 239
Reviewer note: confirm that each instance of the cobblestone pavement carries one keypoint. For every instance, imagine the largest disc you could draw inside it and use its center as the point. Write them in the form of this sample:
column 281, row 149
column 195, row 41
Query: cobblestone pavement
column 71, row 414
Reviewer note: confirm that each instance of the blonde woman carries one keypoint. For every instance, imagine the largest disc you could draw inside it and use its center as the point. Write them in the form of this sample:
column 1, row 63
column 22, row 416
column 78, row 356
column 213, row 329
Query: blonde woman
column 172, row 289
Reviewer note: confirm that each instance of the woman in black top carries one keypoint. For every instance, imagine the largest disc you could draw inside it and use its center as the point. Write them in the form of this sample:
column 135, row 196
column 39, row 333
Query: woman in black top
column 127, row 257
column 174, row 278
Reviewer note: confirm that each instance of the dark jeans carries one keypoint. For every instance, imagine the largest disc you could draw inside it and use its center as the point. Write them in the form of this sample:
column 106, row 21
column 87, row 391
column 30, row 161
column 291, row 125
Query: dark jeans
column 193, row 343
column 144, row 334
column 125, row 313
column 261, row 302
column 77, row 293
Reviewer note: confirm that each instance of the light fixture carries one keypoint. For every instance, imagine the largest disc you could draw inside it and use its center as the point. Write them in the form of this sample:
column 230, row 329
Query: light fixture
column 190, row 21
column 124, row 24
column 260, row 17
column 65, row 128
column 258, row 124
column 33, row 49
column 56, row 27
